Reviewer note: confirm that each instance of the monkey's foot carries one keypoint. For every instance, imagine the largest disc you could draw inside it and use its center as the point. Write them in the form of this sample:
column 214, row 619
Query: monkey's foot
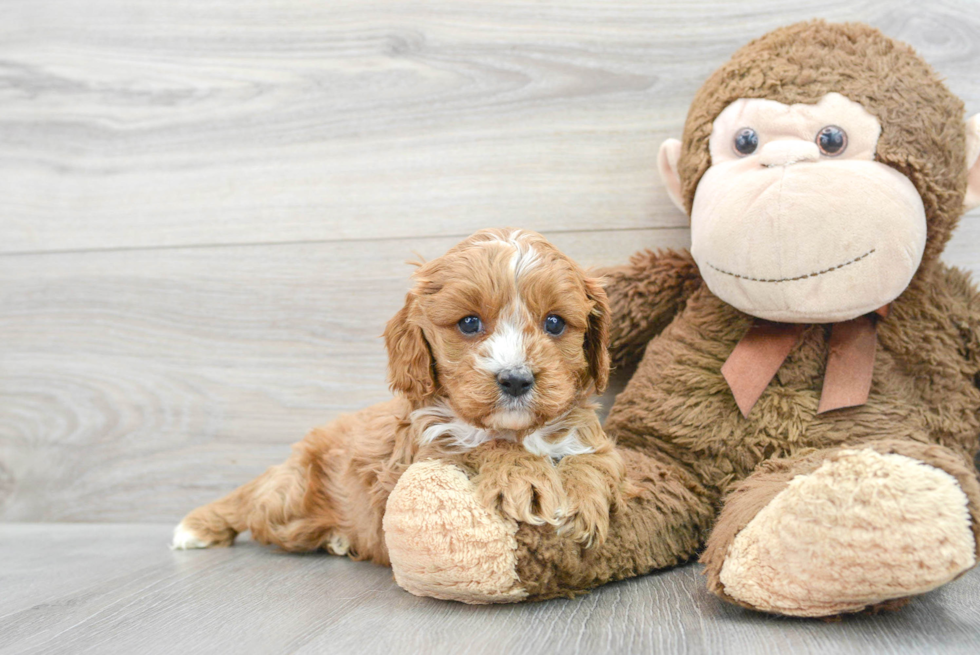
column 861, row 529
column 444, row 544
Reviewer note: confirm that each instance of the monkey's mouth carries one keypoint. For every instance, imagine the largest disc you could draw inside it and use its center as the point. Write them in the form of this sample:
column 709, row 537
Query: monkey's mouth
column 798, row 277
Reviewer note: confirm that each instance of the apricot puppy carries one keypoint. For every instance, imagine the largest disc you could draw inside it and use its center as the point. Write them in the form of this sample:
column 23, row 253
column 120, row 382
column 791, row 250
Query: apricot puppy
column 493, row 359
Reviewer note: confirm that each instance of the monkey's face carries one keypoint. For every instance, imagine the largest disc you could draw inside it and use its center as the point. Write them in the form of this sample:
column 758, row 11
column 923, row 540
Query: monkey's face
column 795, row 221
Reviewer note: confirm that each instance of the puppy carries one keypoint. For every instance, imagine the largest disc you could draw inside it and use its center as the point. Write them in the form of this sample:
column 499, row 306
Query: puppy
column 493, row 359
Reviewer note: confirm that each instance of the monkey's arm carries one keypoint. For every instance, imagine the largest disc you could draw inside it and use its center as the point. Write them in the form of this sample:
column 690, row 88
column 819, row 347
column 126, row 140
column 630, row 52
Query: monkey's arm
column 964, row 312
column 644, row 297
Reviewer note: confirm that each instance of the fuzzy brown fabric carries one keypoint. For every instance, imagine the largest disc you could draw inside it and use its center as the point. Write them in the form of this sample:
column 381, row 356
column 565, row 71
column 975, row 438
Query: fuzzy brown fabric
column 922, row 134
column 686, row 443
column 923, row 389
column 662, row 281
column 661, row 525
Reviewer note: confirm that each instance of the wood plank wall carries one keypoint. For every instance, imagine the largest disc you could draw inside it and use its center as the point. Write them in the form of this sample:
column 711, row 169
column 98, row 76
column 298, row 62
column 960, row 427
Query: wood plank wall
column 206, row 205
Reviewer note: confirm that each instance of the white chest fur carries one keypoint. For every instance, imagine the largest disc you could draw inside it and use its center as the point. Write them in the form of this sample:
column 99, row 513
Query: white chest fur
column 556, row 439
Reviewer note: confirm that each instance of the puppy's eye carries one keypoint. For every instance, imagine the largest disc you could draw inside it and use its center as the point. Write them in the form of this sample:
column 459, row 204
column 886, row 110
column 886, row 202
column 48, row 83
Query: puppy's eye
column 832, row 140
column 746, row 141
column 470, row 325
column 554, row 325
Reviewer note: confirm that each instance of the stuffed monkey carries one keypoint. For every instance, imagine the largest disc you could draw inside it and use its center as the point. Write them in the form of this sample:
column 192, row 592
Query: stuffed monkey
column 805, row 411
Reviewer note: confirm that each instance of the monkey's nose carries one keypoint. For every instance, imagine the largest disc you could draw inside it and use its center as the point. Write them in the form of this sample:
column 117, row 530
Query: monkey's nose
column 515, row 382
column 787, row 152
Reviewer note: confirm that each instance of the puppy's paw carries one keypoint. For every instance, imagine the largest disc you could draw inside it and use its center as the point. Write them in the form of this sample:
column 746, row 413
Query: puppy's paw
column 187, row 539
column 527, row 490
column 588, row 515
column 188, row 536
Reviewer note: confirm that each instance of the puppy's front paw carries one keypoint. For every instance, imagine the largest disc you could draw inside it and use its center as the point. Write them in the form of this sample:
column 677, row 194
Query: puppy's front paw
column 527, row 490
column 588, row 513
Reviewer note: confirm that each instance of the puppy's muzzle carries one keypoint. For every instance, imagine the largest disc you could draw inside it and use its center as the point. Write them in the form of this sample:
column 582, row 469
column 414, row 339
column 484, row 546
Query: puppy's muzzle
column 515, row 382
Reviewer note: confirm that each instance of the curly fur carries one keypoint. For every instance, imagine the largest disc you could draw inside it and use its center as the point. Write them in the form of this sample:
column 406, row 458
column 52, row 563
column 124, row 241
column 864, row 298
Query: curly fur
column 543, row 458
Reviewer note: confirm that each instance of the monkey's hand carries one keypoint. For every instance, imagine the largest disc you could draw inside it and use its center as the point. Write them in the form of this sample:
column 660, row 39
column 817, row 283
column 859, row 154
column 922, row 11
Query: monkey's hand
column 644, row 296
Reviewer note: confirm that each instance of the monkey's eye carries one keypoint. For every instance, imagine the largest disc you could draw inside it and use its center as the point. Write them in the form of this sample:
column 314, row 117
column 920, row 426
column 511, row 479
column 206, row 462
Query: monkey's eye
column 554, row 325
column 746, row 141
column 832, row 140
column 470, row 325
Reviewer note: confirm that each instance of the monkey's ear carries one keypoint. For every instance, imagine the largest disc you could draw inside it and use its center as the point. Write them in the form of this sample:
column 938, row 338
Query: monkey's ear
column 597, row 335
column 670, row 155
column 972, row 198
column 410, row 364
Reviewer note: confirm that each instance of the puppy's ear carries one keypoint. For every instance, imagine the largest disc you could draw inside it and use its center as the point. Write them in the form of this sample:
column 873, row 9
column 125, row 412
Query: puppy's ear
column 410, row 363
column 597, row 334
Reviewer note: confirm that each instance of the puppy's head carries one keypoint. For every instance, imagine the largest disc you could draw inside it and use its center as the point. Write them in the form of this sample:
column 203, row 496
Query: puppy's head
column 505, row 328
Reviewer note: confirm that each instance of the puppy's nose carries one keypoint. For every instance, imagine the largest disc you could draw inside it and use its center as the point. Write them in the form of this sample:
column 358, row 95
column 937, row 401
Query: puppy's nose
column 515, row 381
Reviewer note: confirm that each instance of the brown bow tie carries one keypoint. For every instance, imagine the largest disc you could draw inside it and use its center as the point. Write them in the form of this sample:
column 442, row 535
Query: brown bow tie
column 847, row 380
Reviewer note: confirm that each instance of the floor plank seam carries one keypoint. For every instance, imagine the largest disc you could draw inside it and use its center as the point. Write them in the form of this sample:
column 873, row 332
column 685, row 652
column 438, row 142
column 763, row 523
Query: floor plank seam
column 303, row 242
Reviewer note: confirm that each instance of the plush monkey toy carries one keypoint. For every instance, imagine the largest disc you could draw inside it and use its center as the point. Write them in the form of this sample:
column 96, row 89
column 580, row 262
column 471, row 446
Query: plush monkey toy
column 805, row 412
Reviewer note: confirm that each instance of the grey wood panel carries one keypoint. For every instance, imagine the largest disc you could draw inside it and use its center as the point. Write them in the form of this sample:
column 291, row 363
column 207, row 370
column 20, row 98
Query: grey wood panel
column 139, row 377
column 136, row 123
column 118, row 589
column 135, row 385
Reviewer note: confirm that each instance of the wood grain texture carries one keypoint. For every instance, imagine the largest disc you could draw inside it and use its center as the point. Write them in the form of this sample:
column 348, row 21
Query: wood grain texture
column 136, row 123
column 118, row 589
column 204, row 210
column 135, row 385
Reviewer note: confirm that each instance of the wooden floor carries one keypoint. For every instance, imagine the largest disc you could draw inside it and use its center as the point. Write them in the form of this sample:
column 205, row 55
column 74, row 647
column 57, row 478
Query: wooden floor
column 118, row 589
column 205, row 210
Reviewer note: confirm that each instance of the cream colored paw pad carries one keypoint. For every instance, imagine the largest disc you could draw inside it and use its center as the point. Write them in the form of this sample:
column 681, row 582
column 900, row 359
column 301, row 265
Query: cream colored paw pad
column 444, row 544
column 861, row 529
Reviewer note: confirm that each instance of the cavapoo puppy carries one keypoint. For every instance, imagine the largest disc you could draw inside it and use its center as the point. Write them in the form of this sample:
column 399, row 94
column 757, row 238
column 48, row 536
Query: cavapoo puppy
column 494, row 359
